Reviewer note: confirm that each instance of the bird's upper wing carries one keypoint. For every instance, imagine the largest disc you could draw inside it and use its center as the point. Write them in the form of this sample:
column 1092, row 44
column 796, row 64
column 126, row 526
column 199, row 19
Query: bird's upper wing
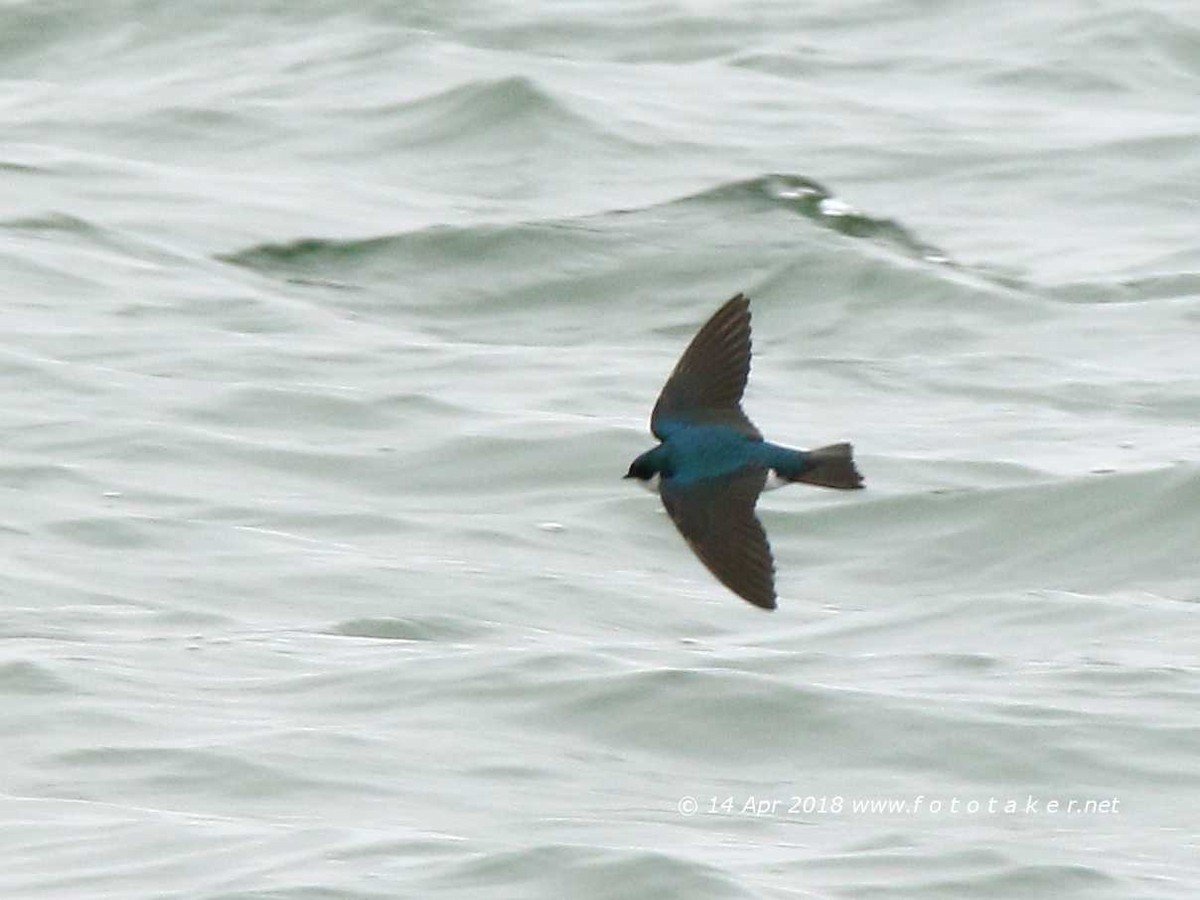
column 716, row 517
column 707, row 384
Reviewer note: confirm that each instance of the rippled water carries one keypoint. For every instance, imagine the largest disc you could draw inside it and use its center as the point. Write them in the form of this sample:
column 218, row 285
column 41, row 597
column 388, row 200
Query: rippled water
column 330, row 333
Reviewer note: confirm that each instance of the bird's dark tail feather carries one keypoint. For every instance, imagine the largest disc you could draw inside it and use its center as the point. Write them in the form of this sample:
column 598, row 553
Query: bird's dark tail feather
column 831, row 467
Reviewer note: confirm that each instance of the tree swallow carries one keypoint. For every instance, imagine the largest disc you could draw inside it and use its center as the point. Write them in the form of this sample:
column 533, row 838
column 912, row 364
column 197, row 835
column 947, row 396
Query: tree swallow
column 712, row 463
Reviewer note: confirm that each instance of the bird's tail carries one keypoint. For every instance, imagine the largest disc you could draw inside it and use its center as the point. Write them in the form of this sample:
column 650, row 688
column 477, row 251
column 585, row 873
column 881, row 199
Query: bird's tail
column 831, row 467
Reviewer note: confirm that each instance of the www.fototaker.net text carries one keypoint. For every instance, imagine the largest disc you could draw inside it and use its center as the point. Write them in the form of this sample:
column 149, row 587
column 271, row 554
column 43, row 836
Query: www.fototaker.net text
column 760, row 806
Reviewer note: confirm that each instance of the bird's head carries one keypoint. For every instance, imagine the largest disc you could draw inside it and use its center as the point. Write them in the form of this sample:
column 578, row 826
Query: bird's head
column 641, row 470
column 647, row 466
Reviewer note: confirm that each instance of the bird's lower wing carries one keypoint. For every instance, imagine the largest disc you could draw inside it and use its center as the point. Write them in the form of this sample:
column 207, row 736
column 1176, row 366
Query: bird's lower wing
column 716, row 517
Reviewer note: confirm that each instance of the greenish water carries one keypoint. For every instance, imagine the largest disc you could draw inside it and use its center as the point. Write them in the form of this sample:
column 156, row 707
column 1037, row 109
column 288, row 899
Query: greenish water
column 329, row 333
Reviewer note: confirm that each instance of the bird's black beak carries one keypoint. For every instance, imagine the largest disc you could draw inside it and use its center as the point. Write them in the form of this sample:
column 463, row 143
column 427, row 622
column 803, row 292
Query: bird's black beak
column 627, row 475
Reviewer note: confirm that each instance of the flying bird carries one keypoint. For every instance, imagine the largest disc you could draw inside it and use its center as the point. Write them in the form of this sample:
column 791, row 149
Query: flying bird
column 712, row 462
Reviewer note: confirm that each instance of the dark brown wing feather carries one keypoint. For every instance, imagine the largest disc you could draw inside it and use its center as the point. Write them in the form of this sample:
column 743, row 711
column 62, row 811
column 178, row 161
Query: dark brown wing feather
column 707, row 384
column 716, row 517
